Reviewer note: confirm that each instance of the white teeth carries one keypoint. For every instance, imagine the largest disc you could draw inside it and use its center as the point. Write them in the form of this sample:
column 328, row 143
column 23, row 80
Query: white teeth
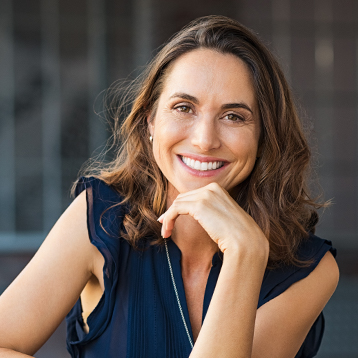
column 202, row 166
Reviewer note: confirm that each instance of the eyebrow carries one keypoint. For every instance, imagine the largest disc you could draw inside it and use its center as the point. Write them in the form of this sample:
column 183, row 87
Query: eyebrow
column 224, row 106
column 185, row 96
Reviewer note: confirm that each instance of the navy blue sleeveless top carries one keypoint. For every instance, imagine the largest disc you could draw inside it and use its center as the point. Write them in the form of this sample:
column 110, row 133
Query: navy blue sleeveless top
column 138, row 314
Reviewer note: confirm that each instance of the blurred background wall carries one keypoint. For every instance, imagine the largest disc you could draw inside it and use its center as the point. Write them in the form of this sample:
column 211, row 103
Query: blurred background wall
column 56, row 56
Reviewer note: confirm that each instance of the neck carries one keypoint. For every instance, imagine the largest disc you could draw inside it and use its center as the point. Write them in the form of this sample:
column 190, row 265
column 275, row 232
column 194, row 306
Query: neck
column 196, row 247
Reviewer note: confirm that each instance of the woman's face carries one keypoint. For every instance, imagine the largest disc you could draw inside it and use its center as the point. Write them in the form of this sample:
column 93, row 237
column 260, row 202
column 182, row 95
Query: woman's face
column 207, row 126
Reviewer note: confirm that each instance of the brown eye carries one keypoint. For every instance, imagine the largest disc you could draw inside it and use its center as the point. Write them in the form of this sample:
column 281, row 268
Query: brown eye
column 184, row 109
column 234, row 117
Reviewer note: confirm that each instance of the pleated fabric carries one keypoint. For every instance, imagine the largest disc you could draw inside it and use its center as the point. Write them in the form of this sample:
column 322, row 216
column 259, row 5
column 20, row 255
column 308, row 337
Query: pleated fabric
column 138, row 314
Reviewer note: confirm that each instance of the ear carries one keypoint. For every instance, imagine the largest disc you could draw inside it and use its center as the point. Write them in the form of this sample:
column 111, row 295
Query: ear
column 150, row 124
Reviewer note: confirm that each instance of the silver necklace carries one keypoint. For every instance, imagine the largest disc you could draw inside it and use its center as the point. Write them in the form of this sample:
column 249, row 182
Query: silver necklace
column 177, row 295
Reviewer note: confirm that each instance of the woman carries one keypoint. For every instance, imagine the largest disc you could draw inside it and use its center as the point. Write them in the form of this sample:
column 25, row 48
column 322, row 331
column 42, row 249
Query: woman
column 214, row 148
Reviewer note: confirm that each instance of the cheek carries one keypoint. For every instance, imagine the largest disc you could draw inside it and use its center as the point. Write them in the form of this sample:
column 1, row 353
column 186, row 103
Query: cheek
column 245, row 145
column 168, row 133
column 166, row 136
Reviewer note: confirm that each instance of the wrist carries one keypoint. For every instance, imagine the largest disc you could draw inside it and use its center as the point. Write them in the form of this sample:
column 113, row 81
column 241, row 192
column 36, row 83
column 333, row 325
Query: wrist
column 252, row 257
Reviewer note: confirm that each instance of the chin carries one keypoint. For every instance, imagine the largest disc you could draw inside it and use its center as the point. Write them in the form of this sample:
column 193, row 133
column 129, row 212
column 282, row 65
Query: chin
column 192, row 186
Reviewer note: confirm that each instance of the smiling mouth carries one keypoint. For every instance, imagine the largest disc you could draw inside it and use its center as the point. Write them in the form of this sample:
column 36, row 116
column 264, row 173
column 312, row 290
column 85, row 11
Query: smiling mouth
column 202, row 166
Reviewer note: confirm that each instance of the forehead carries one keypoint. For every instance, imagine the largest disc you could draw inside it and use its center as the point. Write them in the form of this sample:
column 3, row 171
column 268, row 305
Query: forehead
column 209, row 74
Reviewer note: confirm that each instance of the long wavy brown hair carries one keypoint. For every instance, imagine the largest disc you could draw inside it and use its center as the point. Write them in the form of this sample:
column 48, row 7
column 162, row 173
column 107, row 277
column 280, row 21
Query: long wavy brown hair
column 275, row 194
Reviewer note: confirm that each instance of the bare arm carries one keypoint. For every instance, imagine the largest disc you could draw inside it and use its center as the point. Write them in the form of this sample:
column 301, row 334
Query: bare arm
column 5, row 353
column 33, row 306
column 232, row 328
column 283, row 323
column 228, row 327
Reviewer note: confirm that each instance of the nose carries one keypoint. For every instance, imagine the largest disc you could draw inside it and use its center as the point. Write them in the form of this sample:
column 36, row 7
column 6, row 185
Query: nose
column 205, row 134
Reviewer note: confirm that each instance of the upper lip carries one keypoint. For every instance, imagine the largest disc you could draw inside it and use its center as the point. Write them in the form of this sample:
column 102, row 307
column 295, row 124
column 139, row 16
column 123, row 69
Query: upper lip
column 202, row 158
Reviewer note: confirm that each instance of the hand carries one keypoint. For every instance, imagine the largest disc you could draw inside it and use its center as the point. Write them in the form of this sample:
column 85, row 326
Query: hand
column 222, row 218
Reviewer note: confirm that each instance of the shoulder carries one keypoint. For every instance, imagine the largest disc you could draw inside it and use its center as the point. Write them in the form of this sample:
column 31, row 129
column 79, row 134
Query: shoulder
column 73, row 226
column 323, row 272
column 105, row 213
column 326, row 272
column 323, row 266
column 315, row 290
column 296, row 314
column 293, row 315
column 105, row 208
column 312, row 250
column 98, row 188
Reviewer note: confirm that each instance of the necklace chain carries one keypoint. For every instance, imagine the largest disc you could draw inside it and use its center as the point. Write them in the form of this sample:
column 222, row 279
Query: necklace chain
column 177, row 295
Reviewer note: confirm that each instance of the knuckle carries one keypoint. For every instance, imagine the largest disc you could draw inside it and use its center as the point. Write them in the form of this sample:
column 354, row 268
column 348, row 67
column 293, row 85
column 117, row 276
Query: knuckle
column 206, row 195
column 200, row 204
column 214, row 186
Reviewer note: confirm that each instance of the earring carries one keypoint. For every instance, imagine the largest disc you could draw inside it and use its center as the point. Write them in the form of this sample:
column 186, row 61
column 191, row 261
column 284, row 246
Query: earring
column 151, row 139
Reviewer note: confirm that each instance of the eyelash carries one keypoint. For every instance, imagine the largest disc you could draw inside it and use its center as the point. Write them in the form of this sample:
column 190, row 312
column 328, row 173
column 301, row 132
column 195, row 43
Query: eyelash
column 183, row 106
column 238, row 117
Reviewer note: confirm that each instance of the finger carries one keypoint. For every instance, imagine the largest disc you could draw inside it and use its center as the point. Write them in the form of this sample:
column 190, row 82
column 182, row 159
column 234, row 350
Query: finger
column 186, row 204
column 170, row 216
column 191, row 197
column 213, row 187
column 168, row 223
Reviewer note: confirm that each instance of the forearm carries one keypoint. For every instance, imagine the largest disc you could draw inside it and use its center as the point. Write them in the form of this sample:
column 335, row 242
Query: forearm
column 228, row 327
column 8, row 353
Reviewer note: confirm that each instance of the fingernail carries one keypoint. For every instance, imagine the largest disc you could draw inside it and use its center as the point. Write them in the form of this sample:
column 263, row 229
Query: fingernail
column 160, row 217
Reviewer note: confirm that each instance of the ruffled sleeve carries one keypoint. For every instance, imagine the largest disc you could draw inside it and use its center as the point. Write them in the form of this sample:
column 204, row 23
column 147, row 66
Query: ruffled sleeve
column 280, row 279
column 104, row 219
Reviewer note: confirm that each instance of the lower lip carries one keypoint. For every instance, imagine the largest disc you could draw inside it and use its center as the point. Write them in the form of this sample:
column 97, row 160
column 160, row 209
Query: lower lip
column 202, row 173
